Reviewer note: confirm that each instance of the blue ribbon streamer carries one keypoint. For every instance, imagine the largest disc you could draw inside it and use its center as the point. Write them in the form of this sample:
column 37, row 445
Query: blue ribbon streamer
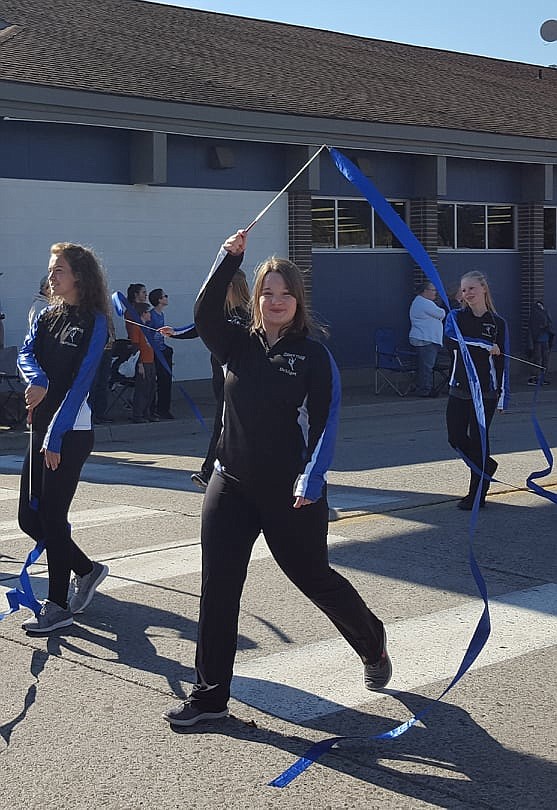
column 483, row 628
column 25, row 597
column 545, row 450
column 121, row 306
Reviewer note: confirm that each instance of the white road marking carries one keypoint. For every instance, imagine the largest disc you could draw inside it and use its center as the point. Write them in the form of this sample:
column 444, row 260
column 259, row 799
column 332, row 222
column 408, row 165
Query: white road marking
column 316, row 679
column 144, row 565
column 87, row 518
column 8, row 494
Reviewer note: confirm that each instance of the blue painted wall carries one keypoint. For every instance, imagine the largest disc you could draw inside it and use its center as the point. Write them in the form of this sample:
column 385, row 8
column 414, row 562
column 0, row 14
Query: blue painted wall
column 355, row 294
column 63, row 152
column 256, row 167
column 483, row 181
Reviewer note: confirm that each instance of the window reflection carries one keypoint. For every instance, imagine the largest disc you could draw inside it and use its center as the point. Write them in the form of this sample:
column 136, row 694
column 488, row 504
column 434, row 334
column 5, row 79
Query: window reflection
column 323, row 223
column 500, row 227
column 470, row 226
column 351, row 224
column 383, row 236
column 445, row 225
column 354, row 223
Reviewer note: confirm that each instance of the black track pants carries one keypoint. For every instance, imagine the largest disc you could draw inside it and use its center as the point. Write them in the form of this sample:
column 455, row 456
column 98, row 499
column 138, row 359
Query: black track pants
column 463, row 430
column 54, row 490
column 297, row 538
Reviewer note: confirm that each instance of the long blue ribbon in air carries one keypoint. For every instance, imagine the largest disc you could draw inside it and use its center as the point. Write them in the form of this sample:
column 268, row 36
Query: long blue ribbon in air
column 483, row 628
column 121, row 306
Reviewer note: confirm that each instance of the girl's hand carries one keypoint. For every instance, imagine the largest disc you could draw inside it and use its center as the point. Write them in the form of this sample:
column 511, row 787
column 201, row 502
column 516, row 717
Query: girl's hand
column 140, row 370
column 51, row 459
column 167, row 331
column 495, row 351
column 33, row 395
column 236, row 244
column 299, row 502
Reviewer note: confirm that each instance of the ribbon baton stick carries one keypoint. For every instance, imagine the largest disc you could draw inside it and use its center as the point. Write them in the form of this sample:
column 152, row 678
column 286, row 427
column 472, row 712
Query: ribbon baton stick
column 275, row 198
column 520, row 360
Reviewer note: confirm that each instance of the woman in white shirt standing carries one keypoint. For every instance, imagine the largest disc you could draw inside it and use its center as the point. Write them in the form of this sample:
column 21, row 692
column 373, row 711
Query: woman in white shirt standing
column 426, row 335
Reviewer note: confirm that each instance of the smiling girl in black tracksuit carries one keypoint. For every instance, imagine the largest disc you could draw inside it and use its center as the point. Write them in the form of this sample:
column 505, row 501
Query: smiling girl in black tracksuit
column 281, row 402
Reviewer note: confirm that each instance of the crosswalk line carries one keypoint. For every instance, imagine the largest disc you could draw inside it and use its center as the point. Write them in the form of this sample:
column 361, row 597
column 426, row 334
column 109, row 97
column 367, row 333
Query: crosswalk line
column 88, row 518
column 316, row 679
column 146, row 565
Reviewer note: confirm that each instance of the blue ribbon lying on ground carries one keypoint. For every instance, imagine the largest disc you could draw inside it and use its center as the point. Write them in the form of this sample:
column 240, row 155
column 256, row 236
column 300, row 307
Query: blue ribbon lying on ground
column 121, row 306
column 483, row 628
column 25, row 597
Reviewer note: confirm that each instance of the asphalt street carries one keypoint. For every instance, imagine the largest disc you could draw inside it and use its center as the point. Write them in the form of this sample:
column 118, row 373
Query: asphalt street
column 80, row 715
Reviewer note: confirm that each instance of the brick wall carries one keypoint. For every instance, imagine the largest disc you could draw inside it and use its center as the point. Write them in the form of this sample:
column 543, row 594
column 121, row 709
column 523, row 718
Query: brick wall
column 299, row 234
column 530, row 247
column 423, row 223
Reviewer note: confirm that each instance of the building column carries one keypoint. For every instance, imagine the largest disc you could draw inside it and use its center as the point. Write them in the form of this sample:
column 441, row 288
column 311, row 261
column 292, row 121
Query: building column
column 530, row 247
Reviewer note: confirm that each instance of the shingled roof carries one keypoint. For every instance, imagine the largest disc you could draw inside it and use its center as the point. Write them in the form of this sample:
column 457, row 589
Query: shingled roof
column 158, row 52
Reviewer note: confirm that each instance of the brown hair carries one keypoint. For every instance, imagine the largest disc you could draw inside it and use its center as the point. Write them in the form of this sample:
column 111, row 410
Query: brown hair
column 481, row 279
column 89, row 277
column 238, row 294
column 303, row 323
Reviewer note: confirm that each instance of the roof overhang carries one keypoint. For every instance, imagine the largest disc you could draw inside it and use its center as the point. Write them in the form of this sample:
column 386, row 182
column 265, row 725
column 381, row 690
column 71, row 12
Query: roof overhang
column 58, row 105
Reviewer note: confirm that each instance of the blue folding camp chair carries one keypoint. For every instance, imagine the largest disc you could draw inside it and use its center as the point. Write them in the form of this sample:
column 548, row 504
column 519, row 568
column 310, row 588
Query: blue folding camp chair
column 394, row 367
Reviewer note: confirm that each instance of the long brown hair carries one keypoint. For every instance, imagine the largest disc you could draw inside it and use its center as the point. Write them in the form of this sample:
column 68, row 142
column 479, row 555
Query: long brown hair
column 238, row 294
column 89, row 277
column 481, row 279
column 303, row 322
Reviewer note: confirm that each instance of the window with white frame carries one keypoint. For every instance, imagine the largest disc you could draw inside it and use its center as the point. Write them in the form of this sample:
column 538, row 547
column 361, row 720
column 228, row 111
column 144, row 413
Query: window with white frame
column 351, row 224
column 476, row 226
column 550, row 228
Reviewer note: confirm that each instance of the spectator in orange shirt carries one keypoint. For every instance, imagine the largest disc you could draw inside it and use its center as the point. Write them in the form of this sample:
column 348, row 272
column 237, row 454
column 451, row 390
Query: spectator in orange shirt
column 145, row 373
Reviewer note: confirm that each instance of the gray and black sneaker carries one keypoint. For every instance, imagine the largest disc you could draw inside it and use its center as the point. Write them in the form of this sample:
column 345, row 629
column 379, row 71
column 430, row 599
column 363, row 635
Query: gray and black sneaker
column 189, row 712
column 51, row 617
column 378, row 675
column 82, row 589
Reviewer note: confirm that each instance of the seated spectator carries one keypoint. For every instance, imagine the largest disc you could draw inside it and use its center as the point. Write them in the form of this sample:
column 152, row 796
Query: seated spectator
column 145, row 377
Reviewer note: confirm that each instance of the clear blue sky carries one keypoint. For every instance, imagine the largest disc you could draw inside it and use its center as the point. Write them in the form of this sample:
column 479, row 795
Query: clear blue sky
column 504, row 29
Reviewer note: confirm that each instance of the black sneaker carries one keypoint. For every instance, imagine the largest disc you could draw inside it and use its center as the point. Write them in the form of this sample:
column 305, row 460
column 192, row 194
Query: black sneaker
column 199, row 480
column 377, row 676
column 188, row 713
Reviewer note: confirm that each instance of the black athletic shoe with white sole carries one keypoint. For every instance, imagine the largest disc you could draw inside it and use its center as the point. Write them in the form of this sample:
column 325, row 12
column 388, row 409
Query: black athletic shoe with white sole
column 378, row 675
column 189, row 712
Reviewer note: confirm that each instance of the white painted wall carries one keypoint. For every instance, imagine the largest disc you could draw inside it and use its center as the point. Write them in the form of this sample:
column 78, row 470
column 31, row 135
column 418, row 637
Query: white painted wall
column 162, row 237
